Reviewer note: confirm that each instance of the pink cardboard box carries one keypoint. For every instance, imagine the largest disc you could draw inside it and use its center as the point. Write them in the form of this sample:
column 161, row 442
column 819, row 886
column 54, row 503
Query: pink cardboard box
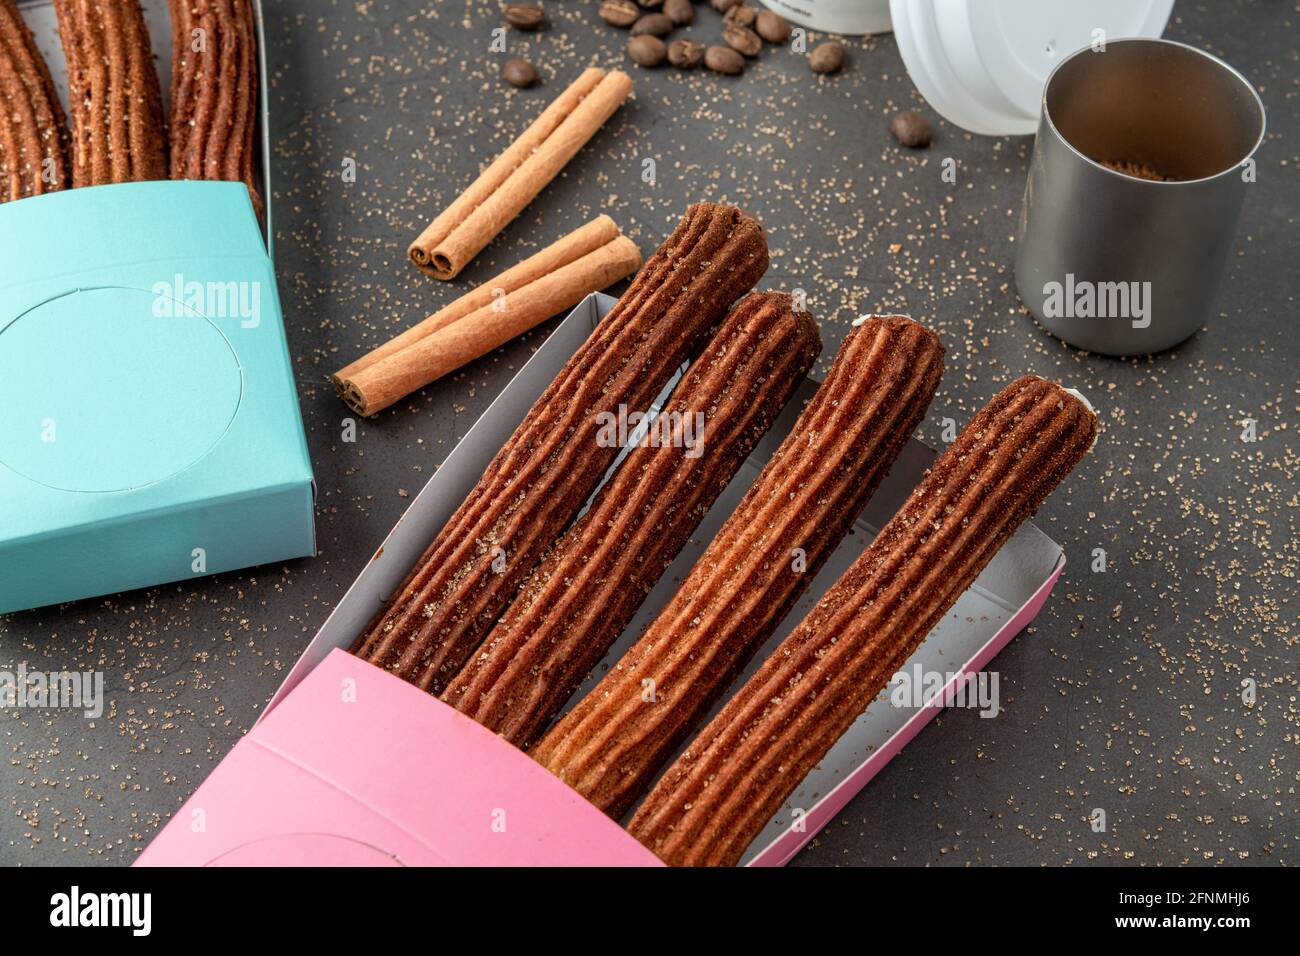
column 350, row 765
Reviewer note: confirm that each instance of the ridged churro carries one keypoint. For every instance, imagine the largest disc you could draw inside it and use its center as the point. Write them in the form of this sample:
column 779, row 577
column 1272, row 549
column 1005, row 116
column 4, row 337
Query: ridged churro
column 582, row 596
column 725, row 787
column 33, row 130
column 537, row 483
column 113, row 95
column 214, row 105
column 611, row 744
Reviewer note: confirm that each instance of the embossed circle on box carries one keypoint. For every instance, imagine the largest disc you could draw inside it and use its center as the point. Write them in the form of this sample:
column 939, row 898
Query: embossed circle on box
column 111, row 389
column 306, row 849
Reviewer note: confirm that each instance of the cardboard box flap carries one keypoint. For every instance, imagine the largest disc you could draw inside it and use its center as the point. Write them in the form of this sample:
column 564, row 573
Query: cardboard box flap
column 331, row 750
column 148, row 224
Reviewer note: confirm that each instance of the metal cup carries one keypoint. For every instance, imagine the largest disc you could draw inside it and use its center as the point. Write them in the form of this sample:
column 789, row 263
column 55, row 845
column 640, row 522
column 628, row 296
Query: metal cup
column 1107, row 260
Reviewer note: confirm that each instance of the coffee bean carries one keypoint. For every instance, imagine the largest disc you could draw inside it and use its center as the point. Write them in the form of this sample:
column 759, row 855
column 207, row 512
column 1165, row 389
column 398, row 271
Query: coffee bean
column 722, row 6
column 650, row 4
column 646, row 50
column 742, row 40
column 741, row 15
column 911, row 129
column 772, row 27
column 685, row 54
column 619, row 13
column 681, row 12
column 654, row 24
column 723, row 59
column 826, row 57
column 520, row 73
column 523, row 16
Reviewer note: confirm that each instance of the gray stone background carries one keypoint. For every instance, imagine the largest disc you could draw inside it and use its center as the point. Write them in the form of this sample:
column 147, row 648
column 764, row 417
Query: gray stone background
column 1125, row 692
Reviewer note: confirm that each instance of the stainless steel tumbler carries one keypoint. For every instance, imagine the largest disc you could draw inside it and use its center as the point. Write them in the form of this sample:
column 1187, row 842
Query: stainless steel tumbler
column 1144, row 154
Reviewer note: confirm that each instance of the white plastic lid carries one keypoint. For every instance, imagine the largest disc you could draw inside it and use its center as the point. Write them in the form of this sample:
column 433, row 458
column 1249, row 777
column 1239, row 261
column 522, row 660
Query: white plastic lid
column 983, row 65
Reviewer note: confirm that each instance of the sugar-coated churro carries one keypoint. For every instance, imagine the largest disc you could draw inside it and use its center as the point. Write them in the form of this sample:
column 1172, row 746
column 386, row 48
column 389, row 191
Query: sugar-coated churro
column 113, row 95
column 724, row 788
column 611, row 744
column 214, row 104
column 545, row 472
column 582, row 596
column 33, row 130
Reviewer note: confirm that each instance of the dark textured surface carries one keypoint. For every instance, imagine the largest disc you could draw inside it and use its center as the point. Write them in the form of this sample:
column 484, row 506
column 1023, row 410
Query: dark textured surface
column 1125, row 693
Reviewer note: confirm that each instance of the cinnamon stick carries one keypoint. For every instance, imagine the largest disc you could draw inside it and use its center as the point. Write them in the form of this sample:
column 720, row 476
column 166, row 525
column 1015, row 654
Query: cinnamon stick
column 586, row 238
column 512, row 309
column 521, row 172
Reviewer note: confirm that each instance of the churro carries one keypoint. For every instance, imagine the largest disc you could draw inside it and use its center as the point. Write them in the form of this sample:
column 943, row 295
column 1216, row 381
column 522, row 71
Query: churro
column 730, row 781
column 113, row 95
column 33, row 130
column 610, row 746
column 537, row 483
column 582, row 596
column 214, row 105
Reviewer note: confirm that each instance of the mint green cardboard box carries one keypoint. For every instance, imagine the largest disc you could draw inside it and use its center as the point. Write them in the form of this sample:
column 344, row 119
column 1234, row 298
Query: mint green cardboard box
column 149, row 423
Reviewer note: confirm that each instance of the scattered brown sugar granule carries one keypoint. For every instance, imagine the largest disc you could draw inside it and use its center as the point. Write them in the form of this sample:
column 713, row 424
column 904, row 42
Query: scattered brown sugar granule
column 1137, row 170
